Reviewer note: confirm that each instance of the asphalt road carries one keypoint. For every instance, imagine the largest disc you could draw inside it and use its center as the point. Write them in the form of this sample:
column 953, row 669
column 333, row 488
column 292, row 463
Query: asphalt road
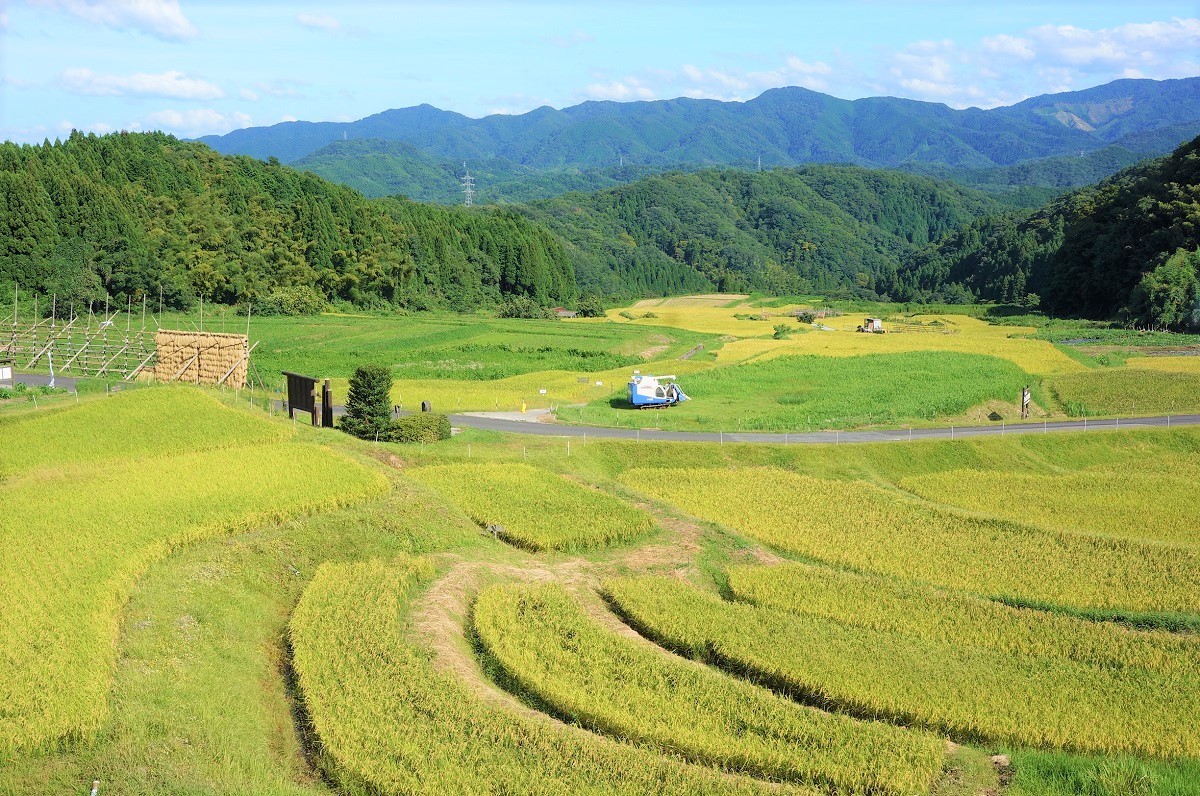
column 895, row 435
column 805, row 438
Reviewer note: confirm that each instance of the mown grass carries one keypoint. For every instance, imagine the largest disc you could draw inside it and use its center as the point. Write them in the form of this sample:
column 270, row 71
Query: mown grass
column 866, row 527
column 67, row 567
column 389, row 722
column 810, row 392
column 546, row 647
column 537, row 510
column 980, row 695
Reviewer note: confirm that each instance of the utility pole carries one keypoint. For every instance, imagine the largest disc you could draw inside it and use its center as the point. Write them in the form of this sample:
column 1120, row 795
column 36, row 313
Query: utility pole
column 468, row 186
column 760, row 162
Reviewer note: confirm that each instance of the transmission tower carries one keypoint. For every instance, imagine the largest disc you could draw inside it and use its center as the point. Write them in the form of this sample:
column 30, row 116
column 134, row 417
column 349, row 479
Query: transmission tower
column 468, row 186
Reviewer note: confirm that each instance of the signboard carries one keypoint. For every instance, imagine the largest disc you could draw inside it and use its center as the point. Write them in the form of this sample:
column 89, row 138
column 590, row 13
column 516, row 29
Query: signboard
column 6, row 373
column 301, row 394
column 1025, row 403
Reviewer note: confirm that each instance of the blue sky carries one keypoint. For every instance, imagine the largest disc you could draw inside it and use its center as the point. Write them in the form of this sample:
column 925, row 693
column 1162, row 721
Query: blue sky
column 193, row 68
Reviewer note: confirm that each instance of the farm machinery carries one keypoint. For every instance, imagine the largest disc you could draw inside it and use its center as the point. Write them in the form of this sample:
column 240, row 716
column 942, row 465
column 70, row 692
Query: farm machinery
column 654, row 392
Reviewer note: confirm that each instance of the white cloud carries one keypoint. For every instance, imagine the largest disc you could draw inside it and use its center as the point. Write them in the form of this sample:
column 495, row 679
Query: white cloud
column 248, row 95
column 287, row 117
column 628, row 89
column 324, row 22
column 160, row 18
column 195, row 122
column 1003, row 44
column 174, row 85
column 1124, row 46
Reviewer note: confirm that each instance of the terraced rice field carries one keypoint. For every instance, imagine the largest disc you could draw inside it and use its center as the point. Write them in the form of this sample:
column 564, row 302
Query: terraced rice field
column 1122, row 510
column 537, row 510
column 390, row 722
column 67, row 568
column 980, row 695
column 548, row 648
column 863, row 526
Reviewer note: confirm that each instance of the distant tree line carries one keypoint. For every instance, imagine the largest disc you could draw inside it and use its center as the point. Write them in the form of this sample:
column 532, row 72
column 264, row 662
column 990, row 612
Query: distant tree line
column 1125, row 248
column 132, row 215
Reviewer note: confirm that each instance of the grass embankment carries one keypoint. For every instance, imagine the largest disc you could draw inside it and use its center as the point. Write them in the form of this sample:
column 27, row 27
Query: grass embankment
column 538, row 510
column 1127, row 391
column 546, row 647
column 974, row 694
column 68, row 566
column 866, row 527
column 391, row 723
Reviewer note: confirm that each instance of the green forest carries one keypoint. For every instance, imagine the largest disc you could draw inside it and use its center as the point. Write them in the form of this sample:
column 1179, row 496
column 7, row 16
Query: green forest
column 828, row 229
column 1122, row 248
column 132, row 215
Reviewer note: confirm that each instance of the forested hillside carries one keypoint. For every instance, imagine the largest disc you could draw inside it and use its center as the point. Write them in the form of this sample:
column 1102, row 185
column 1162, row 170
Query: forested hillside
column 377, row 167
column 135, row 214
column 817, row 228
column 1095, row 252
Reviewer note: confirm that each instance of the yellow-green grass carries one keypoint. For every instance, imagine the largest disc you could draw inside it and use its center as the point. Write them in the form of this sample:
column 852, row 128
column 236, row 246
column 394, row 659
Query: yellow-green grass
column 546, row 648
column 886, row 604
column 975, row 694
column 85, row 533
column 537, row 509
column 1127, row 391
column 968, row 336
column 390, row 722
column 1123, row 503
column 868, row 528
column 144, row 422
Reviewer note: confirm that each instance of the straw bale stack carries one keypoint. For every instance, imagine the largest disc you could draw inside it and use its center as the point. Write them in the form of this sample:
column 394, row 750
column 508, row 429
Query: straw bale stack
column 202, row 357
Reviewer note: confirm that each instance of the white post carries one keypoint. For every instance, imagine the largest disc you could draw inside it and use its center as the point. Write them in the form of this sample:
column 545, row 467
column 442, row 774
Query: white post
column 568, row 446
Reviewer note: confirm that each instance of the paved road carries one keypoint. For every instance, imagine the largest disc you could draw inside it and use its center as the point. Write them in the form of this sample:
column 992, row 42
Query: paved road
column 896, row 435
column 37, row 380
column 481, row 421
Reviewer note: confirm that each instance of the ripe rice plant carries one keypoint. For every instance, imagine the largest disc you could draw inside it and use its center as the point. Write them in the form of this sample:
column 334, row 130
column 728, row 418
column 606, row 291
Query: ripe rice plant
column 537, row 509
column 865, row 527
column 546, row 647
column 1120, row 500
column 143, row 422
column 969, row 336
column 68, row 563
column 885, row 604
column 389, row 722
column 974, row 694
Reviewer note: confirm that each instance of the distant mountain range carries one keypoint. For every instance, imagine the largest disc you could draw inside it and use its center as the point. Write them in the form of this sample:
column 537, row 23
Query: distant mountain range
column 419, row 151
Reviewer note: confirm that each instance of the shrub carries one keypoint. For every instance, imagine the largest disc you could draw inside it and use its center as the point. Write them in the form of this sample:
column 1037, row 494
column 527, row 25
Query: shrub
column 369, row 403
column 806, row 317
column 782, row 330
column 423, row 427
column 522, row 307
column 650, row 315
column 293, row 300
column 627, row 315
column 590, row 307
